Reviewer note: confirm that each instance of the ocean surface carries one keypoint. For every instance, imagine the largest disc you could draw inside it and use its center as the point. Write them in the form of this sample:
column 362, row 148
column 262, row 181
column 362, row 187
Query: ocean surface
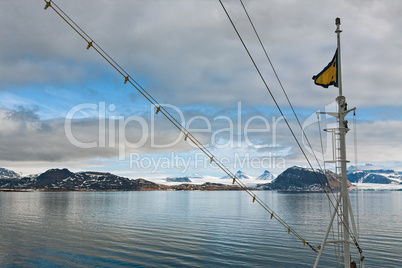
column 187, row 229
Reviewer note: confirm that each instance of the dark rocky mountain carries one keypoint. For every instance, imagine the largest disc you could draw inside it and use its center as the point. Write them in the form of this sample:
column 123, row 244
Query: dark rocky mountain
column 63, row 179
column 208, row 186
column 302, row 179
column 53, row 178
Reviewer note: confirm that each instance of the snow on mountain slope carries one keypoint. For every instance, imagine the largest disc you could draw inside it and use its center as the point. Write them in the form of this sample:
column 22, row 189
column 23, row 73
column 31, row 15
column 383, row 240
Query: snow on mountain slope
column 266, row 176
column 9, row 174
column 368, row 173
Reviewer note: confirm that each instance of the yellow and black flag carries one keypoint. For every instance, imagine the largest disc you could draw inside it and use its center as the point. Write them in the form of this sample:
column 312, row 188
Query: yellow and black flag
column 328, row 76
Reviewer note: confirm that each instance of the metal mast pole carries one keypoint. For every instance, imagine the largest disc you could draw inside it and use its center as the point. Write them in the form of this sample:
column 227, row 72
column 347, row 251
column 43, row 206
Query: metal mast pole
column 342, row 158
column 338, row 38
column 343, row 207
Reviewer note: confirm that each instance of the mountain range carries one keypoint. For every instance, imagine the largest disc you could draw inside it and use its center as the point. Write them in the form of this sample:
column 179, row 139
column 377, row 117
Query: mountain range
column 267, row 176
column 239, row 175
column 371, row 174
column 295, row 178
column 64, row 179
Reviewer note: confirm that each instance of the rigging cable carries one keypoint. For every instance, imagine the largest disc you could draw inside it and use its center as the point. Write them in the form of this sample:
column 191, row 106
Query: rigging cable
column 356, row 165
column 322, row 146
column 180, row 127
column 287, row 123
column 323, row 160
column 267, row 87
column 294, row 113
column 283, row 89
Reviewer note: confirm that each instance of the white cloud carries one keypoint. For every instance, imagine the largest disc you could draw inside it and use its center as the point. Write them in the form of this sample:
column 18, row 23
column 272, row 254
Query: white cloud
column 186, row 53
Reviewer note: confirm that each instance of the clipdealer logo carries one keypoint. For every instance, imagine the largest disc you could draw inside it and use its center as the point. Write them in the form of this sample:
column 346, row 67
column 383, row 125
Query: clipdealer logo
column 222, row 132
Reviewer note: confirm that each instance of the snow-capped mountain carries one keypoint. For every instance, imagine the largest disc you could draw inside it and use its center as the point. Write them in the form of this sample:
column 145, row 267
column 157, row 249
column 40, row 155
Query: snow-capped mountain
column 194, row 178
column 178, row 179
column 9, row 174
column 266, row 176
column 369, row 173
column 239, row 175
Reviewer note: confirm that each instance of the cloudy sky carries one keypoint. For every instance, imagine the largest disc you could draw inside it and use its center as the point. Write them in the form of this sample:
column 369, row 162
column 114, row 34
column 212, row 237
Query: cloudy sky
column 62, row 105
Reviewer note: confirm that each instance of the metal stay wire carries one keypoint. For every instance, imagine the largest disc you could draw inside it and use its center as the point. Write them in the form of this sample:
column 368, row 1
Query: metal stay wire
column 160, row 108
column 281, row 85
column 268, row 89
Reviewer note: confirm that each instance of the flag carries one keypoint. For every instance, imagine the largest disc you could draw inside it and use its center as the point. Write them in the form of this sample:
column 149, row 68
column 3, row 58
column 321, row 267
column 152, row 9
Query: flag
column 329, row 75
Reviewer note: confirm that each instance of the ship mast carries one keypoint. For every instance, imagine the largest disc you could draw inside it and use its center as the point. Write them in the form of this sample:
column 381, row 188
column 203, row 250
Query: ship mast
column 343, row 207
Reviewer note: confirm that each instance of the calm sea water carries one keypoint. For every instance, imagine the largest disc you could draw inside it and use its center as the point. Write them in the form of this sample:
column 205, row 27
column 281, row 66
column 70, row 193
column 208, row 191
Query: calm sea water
column 185, row 229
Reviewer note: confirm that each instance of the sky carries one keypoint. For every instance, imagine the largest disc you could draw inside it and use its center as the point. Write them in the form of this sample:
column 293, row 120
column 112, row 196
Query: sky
column 64, row 106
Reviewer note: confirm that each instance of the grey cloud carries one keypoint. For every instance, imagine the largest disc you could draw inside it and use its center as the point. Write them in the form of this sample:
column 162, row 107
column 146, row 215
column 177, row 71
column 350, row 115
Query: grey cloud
column 30, row 138
column 188, row 48
column 22, row 113
column 187, row 54
column 33, row 139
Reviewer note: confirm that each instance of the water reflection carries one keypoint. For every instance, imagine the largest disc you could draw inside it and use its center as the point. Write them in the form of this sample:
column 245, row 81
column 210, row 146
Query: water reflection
column 157, row 229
